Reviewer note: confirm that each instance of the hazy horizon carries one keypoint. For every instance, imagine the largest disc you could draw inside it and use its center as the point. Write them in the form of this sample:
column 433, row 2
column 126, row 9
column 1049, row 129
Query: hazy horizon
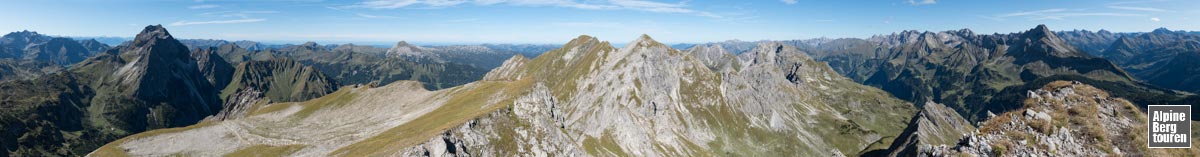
column 377, row 22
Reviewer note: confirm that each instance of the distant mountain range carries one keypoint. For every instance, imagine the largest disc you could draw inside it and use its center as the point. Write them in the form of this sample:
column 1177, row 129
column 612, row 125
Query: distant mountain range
column 902, row 94
column 972, row 73
column 991, row 72
column 65, row 97
column 588, row 97
column 26, row 55
column 1162, row 57
column 152, row 83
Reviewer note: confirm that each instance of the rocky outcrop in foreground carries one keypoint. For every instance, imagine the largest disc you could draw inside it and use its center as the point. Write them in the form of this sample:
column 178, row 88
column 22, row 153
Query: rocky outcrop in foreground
column 934, row 125
column 1062, row 119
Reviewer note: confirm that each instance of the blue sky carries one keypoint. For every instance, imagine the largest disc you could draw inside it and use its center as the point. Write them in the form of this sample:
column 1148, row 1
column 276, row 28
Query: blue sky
column 557, row 21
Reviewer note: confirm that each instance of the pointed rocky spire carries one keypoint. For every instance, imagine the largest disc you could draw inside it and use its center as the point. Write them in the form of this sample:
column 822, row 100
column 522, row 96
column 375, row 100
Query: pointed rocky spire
column 153, row 32
column 1041, row 31
column 1042, row 41
column 1042, row 27
column 156, row 38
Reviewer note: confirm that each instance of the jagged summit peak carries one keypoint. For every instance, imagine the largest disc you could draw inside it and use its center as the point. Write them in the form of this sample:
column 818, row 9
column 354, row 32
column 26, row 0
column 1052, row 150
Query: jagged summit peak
column 404, row 48
column 22, row 33
column 156, row 38
column 1040, row 31
column 25, row 36
column 584, row 36
column 583, row 40
column 311, row 46
column 966, row 31
column 1040, row 40
column 1162, row 30
column 402, row 43
column 645, row 37
column 643, row 40
column 1041, row 27
column 911, row 32
column 405, row 45
column 153, row 35
column 310, row 43
column 154, row 31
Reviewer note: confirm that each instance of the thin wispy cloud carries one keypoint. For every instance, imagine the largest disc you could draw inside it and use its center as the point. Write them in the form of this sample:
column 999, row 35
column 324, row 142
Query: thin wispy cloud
column 993, row 18
column 186, row 23
column 1155, row 19
column 540, row 3
column 1036, row 12
column 238, row 14
column 396, row 4
column 463, row 20
column 588, row 24
column 1064, row 16
column 364, row 15
column 203, row 6
column 1138, row 8
column 788, row 1
column 922, row 2
column 1056, row 14
column 651, row 6
column 1137, row 2
column 233, row 16
column 369, row 16
column 638, row 5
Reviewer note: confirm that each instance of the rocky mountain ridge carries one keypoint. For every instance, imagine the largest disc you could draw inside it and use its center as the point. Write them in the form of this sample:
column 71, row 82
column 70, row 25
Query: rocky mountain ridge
column 1162, row 57
column 280, row 81
column 152, row 83
column 975, row 73
column 934, row 125
column 584, row 98
column 28, row 55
